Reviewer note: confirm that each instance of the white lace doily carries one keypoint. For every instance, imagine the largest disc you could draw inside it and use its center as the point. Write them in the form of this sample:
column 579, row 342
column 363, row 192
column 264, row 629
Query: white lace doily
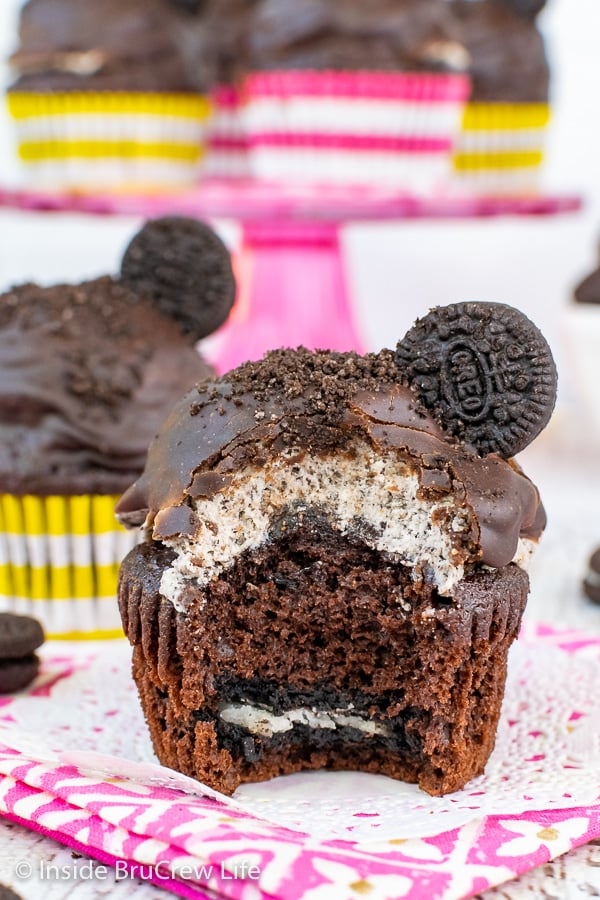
column 547, row 752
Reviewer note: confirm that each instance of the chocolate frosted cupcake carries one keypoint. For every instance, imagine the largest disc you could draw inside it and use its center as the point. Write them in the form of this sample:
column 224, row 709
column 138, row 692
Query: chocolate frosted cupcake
column 104, row 98
column 334, row 564
column 354, row 93
column 500, row 147
column 87, row 374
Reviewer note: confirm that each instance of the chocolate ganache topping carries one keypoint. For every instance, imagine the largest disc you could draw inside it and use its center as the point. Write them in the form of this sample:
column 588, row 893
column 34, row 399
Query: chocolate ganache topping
column 317, row 402
column 352, row 34
column 87, row 373
column 104, row 45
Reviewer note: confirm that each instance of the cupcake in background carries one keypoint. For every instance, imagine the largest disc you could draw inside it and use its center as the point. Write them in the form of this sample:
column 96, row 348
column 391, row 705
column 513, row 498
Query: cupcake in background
column 500, row 148
column 87, row 374
column 103, row 97
column 214, row 32
column 583, row 333
column 348, row 92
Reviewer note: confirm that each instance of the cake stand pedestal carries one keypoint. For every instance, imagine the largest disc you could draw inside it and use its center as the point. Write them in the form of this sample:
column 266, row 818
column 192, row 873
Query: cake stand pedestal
column 293, row 291
column 293, row 288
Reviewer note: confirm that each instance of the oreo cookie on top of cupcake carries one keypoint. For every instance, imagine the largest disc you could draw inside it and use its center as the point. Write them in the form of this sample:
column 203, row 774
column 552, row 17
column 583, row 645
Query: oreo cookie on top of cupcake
column 334, row 564
column 87, row 374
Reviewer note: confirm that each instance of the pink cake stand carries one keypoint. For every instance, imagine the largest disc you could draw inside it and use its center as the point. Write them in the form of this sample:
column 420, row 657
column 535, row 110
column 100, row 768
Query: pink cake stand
column 293, row 286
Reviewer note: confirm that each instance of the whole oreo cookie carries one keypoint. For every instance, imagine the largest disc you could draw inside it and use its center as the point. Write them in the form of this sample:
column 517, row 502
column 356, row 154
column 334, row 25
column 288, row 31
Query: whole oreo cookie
column 185, row 269
column 484, row 371
column 19, row 635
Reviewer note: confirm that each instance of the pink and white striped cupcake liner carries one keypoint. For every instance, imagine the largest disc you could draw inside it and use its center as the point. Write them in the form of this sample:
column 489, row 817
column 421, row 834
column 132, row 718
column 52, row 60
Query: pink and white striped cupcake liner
column 385, row 129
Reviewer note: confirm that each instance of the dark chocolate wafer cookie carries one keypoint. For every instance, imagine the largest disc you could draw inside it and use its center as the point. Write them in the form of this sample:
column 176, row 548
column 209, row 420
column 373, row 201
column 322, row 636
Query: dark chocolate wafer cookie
column 19, row 636
column 484, row 371
column 185, row 268
column 16, row 674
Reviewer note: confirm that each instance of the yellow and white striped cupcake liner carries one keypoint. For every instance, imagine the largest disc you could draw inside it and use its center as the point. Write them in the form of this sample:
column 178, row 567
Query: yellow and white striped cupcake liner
column 121, row 141
column 500, row 148
column 59, row 561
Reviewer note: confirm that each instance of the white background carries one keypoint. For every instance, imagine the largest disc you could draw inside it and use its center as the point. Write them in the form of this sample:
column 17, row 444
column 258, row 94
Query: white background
column 399, row 270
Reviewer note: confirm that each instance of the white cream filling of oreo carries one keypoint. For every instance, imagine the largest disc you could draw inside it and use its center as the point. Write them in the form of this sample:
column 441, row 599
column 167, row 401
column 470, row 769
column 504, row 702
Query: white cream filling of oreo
column 262, row 721
column 375, row 493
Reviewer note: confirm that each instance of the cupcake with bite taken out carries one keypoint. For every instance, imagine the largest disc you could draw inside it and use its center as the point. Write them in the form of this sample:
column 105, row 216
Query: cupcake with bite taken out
column 335, row 558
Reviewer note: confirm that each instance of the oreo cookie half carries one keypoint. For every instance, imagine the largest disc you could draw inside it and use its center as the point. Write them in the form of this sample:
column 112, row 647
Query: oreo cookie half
column 484, row 371
column 185, row 269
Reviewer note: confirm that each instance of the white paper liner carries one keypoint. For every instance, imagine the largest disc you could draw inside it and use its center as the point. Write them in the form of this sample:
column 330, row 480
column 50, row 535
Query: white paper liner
column 59, row 559
column 156, row 150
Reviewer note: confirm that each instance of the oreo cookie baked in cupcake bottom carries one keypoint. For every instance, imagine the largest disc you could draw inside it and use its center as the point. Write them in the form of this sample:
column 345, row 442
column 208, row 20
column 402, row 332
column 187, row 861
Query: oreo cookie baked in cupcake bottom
column 332, row 578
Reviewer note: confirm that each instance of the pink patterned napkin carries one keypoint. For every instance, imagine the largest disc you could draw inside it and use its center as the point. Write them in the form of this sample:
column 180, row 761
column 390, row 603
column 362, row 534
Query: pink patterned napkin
column 163, row 828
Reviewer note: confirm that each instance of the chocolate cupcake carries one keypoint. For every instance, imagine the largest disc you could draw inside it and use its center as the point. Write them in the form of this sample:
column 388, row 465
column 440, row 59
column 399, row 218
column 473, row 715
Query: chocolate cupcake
column 334, row 568
column 104, row 98
column 353, row 93
column 500, row 147
column 87, row 374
